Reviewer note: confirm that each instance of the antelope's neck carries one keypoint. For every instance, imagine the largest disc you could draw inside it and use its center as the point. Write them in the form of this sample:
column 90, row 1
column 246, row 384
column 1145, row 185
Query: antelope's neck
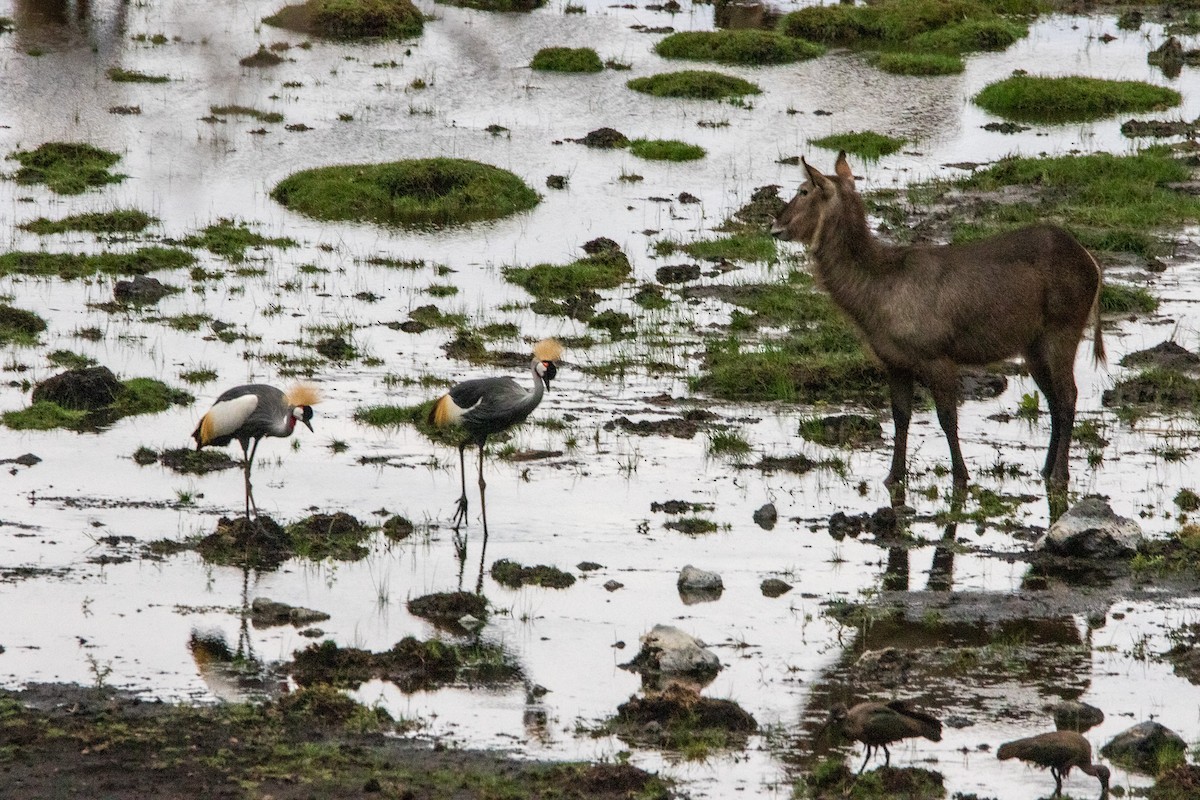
column 848, row 261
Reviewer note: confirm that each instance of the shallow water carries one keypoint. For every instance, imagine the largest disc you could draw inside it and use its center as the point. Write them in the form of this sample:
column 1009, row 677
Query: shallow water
column 131, row 622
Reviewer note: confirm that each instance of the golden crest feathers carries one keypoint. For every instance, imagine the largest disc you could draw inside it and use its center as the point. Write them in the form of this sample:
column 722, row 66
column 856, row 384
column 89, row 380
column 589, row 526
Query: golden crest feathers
column 302, row 394
column 547, row 350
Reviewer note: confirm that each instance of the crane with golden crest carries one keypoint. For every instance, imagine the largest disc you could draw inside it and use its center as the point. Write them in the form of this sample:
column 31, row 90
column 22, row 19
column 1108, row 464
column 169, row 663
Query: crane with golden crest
column 486, row 406
column 248, row 413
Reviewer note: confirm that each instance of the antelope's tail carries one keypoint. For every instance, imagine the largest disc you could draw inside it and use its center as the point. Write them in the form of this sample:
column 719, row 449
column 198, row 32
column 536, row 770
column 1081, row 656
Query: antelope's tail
column 1099, row 357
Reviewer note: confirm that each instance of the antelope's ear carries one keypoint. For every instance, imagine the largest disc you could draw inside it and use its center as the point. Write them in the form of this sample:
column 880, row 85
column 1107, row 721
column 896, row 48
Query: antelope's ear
column 842, row 168
column 817, row 178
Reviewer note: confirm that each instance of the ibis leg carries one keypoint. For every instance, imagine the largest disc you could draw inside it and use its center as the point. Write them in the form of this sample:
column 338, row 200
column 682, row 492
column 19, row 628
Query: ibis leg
column 866, row 758
column 887, row 756
column 1057, row 781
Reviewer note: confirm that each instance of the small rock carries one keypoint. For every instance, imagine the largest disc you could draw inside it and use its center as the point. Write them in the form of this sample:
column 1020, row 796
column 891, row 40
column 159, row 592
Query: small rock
column 773, row 587
column 588, row 566
column 1139, row 746
column 142, row 290
column 687, row 197
column 1091, row 530
column 470, row 623
column 666, row 648
column 556, row 181
column 612, row 586
column 1072, row 715
column 693, row 579
column 266, row 613
column 766, row 517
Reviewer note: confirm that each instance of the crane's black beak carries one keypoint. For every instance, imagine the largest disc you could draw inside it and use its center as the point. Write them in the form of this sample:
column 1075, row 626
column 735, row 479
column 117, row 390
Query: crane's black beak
column 548, row 372
column 308, row 424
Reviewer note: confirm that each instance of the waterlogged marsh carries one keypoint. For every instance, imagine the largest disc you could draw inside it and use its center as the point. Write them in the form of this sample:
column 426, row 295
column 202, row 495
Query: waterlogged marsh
column 91, row 603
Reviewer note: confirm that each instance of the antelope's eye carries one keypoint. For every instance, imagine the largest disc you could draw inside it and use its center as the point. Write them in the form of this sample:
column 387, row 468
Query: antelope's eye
column 803, row 192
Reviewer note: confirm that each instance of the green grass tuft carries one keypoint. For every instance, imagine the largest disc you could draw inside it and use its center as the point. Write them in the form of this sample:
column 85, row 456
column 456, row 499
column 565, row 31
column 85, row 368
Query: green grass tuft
column 66, row 167
column 413, row 193
column 119, row 221
column 1116, row 298
column 18, row 326
column 246, row 111
column 756, row 247
column 119, row 75
column 970, row 36
column 666, row 150
column 74, row 265
column 42, row 416
column 566, row 59
column 603, row 270
column 230, row 239
column 1028, row 98
column 864, row 144
column 694, row 84
column 743, row 46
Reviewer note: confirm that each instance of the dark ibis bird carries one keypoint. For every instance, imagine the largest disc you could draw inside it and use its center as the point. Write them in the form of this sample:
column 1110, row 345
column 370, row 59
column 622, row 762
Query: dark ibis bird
column 880, row 724
column 484, row 406
column 1060, row 751
column 248, row 413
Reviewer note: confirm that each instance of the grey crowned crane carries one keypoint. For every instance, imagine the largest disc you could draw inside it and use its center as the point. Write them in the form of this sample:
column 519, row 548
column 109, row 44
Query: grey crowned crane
column 880, row 724
column 1058, row 750
column 485, row 406
column 250, row 412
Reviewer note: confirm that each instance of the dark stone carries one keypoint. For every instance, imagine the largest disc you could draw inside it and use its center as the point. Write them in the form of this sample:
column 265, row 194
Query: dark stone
column 142, row 290
column 1072, row 715
column 556, row 181
column 1139, row 747
column 87, row 389
column 677, row 273
column 1091, row 530
column 266, row 613
column 774, row 587
column 766, row 516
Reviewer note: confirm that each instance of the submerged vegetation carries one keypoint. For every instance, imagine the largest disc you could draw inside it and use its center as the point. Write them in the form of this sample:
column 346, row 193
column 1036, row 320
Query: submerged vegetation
column 1029, row 98
column 412, row 193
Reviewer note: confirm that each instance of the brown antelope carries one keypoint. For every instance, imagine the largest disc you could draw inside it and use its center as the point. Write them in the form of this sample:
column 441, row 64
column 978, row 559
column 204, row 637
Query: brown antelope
column 925, row 310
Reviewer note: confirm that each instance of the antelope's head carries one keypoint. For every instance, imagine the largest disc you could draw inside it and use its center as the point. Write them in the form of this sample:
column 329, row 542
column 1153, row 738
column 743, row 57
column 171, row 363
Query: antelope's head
column 817, row 198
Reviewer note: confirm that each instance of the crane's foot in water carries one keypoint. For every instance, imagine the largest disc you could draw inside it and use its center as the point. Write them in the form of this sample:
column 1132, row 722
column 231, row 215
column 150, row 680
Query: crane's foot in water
column 460, row 513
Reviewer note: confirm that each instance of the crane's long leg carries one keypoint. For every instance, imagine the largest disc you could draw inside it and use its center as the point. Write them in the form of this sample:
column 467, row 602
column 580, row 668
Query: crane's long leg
column 249, row 487
column 246, row 476
column 482, row 497
column 460, row 513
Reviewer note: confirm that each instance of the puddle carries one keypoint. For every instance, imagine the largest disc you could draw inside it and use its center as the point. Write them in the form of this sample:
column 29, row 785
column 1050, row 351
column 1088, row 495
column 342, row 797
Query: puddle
column 81, row 601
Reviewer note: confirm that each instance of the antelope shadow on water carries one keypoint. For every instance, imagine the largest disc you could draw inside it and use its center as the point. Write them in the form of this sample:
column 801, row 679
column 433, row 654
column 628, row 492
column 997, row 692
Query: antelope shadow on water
column 926, row 310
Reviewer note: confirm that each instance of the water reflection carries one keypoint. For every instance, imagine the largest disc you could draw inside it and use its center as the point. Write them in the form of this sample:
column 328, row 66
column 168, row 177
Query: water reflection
column 69, row 23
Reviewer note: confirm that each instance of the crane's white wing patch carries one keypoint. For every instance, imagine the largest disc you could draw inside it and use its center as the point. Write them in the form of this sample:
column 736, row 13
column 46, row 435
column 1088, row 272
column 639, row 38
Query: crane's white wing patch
column 227, row 416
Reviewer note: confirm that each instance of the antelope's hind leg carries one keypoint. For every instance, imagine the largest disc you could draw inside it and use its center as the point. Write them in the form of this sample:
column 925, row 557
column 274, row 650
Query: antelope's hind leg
column 1052, row 366
column 942, row 379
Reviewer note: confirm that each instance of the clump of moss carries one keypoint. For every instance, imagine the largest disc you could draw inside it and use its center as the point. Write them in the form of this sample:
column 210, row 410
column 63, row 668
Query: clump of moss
column 338, row 536
column 900, row 63
column 1029, row 98
column 514, row 575
column 74, row 265
column 118, row 221
column 666, row 150
column 412, row 193
column 66, row 167
column 230, row 239
column 120, row 75
column 352, row 19
column 566, row 59
column 694, row 84
column 18, row 326
column 737, row 46
column 604, row 269
column 864, row 144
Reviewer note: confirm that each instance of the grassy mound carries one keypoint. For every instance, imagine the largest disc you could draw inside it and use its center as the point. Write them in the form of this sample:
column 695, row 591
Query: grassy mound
column 666, row 150
column 1028, row 98
column 566, row 59
column 75, row 265
column 694, row 84
column 352, row 19
column 412, row 193
column 66, row 167
column 744, row 46
column 18, row 326
column 134, row 396
column 971, row 36
column 118, row 221
column 864, row 144
column 497, row 5
column 972, row 24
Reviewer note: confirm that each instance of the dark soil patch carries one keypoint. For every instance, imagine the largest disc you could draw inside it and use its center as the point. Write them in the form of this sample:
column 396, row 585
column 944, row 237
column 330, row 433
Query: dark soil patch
column 677, row 704
column 88, row 389
column 267, row 613
column 411, row 664
column 514, row 575
column 1155, row 388
column 1178, row 783
column 259, row 543
column 398, row 528
column 337, row 536
column 680, row 507
column 604, row 139
column 799, row 464
column 834, row 781
column 187, row 461
column 1167, row 355
column 77, row 742
column 447, row 608
column 677, row 273
column 882, row 524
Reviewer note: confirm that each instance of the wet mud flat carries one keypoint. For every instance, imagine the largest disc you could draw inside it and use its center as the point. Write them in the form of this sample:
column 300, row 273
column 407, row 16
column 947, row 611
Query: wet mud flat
column 637, row 494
